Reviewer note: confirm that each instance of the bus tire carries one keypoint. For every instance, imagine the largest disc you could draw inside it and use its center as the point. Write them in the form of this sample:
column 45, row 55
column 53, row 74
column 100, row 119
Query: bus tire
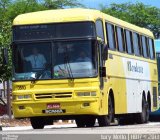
column 142, row 117
column 105, row 120
column 80, row 122
column 37, row 123
column 122, row 121
column 147, row 112
column 90, row 122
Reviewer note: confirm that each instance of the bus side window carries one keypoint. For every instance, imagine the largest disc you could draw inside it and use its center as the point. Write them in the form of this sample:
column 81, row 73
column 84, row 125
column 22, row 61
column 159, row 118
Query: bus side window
column 110, row 36
column 120, row 39
column 136, row 44
column 151, row 48
column 99, row 29
column 144, row 46
column 129, row 45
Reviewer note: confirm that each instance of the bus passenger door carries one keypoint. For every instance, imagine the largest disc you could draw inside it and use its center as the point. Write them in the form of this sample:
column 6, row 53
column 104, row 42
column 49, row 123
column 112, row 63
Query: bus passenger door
column 100, row 35
column 102, row 69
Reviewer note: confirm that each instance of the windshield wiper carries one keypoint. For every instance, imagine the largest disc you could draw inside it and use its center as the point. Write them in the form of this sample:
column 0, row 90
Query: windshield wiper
column 67, row 64
column 42, row 71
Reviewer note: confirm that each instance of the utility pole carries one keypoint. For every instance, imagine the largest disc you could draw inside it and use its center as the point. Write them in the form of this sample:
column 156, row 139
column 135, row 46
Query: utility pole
column 9, row 101
column 1, row 81
column 5, row 59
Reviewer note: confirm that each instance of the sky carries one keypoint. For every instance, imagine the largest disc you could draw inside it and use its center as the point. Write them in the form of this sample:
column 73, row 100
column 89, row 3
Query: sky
column 96, row 3
column 157, row 44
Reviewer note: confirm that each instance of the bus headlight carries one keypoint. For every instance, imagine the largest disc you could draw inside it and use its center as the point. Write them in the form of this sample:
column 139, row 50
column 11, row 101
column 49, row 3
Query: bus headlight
column 93, row 93
column 19, row 97
column 23, row 97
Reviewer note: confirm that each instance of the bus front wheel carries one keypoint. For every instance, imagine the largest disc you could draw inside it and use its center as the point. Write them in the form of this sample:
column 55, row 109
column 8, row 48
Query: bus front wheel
column 37, row 123
column 80, row 122
column 90, row 122
column 105, row 120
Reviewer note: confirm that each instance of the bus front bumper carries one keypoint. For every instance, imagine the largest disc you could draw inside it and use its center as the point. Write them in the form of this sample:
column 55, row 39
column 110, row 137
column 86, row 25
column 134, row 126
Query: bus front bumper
column 67, row 107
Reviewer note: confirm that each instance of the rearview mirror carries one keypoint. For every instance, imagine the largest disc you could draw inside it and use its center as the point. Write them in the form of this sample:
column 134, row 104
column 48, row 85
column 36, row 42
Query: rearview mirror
column 103, row 71
column 105, row 52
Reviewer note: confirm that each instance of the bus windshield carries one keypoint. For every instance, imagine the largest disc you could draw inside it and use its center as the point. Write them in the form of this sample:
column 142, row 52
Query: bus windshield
column 55, row 60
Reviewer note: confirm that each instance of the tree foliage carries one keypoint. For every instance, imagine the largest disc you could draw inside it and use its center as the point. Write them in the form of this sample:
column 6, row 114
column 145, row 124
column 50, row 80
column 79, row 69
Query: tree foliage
column 139, row 14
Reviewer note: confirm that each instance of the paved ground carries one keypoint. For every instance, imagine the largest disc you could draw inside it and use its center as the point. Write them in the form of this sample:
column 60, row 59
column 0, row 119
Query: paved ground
column 150, row 128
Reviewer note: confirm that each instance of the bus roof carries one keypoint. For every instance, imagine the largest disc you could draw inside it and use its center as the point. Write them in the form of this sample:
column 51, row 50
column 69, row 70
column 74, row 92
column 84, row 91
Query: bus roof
column 73, row 15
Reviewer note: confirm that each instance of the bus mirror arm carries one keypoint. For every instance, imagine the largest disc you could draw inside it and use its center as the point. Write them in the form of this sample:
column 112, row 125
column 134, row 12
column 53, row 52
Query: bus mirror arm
column 105, row 52
column 103, row 71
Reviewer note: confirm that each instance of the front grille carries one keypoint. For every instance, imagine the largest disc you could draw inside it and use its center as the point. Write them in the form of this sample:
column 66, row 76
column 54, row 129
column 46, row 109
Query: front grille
column 53, row 95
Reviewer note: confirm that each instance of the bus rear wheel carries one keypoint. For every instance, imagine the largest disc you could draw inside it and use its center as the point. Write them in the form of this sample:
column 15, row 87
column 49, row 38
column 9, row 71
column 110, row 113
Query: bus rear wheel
column 143, row 117
column 37, row 123
column 147, row 111
column 105, row 120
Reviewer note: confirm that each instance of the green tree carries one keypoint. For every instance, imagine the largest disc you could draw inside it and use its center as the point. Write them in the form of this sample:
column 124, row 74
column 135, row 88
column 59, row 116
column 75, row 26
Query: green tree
column 139, row 14
column 59, row 4
column 5, row 38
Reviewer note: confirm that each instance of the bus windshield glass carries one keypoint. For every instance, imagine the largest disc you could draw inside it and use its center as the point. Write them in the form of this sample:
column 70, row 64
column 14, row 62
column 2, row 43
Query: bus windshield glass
column 55, row 60
column 53, row 31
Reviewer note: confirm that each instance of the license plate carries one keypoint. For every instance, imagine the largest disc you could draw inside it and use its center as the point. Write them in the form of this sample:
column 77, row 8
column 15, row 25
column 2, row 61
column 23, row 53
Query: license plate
column 53, row 111
column 53, row 106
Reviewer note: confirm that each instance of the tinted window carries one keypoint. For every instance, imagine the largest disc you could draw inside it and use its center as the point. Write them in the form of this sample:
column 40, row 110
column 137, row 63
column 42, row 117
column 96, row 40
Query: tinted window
column 144, row 46
column 120, row 39
column 136, row 44
column 99, row 29
column 151, row 48
column 110, row 36
column 128, row 42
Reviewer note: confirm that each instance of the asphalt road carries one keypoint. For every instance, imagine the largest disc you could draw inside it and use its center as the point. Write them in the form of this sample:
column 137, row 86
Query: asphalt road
column 149, row 128
column 149, row 131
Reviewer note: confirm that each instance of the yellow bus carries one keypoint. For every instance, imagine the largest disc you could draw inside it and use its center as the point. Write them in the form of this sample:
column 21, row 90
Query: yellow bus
column 84, row 65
